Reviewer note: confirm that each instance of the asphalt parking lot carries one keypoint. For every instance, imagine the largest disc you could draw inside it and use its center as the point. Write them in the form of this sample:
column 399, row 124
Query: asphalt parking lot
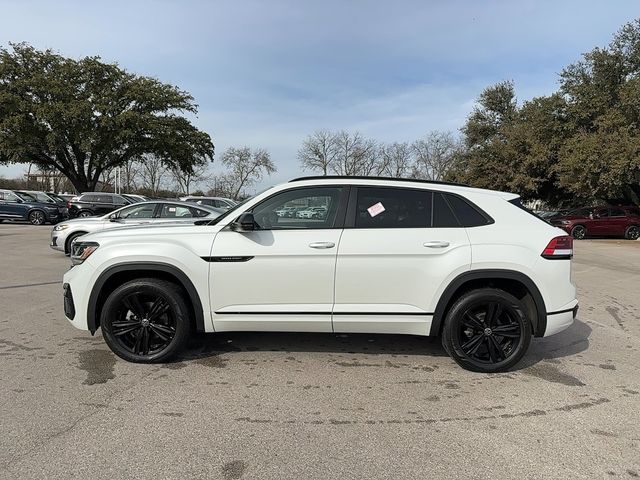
column 256, row 405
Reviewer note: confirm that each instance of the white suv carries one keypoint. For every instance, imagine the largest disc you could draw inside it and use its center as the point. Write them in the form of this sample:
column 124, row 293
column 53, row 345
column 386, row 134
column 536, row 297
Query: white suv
column 389, row 256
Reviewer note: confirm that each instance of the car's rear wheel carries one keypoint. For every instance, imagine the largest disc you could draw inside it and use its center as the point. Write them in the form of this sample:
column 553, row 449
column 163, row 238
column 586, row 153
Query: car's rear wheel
column 579, row 232
column 37, row 217
column 145, row 320
column 486, row 330
column 85, row 214
column 632, row 233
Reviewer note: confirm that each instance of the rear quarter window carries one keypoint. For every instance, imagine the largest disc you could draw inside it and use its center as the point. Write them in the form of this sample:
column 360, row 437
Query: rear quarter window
column 467, row 214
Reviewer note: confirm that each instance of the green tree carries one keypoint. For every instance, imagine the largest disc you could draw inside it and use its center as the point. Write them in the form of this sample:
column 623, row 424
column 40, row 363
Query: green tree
column 580, row 144
column 82, row 117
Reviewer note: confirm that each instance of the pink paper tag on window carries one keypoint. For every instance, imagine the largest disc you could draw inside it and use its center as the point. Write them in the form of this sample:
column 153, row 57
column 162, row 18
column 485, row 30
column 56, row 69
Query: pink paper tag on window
column 376, row 209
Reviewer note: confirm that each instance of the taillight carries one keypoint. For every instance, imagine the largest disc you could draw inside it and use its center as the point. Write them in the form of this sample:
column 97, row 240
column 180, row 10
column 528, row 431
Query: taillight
column 68, row 204
column 559, row 248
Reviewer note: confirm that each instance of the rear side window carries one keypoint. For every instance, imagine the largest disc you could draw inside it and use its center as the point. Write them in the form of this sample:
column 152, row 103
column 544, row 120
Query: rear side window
column 392, row 208
column 89, row 198
column 617, row 212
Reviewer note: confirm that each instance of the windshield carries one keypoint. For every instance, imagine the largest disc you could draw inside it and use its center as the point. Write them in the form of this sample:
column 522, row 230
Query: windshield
column 232, row 210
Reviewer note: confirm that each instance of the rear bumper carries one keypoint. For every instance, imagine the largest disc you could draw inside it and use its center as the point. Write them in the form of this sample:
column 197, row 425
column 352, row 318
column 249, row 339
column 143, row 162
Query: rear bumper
column 561, row 319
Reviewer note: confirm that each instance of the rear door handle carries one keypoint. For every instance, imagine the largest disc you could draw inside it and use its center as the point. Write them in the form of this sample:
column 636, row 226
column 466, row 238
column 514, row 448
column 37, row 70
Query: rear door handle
column 436, row 244
column 322, row 245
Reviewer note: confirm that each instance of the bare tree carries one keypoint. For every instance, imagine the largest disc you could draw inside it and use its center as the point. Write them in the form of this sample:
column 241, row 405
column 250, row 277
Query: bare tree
column 184, row 180
column 153, row 173
column 246, row 167
column 434, row 154
column 130, row 176
column 355, row 155
column 396, row 160
column 319, row 151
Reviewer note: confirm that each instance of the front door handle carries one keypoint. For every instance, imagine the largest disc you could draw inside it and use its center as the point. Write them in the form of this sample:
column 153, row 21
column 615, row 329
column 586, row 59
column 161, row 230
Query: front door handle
column 436, row 244
column 321, row 245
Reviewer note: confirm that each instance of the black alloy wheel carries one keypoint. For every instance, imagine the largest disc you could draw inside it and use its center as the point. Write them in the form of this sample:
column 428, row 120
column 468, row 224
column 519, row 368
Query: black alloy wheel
column 632, row 233
column 486, row 330
column 579, row 232
column 145, row 320
column 85, row 214
column 36, row 217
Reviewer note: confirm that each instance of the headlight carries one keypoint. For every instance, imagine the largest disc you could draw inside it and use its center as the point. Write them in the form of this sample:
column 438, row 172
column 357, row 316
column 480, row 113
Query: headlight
column 59, row 228
column 80, row 251
column 565, row 222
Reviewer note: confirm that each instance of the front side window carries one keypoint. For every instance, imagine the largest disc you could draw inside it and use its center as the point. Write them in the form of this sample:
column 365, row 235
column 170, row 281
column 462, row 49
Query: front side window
column 294, row 209
column 11, row 198
column 138, row 211
column 379, row 207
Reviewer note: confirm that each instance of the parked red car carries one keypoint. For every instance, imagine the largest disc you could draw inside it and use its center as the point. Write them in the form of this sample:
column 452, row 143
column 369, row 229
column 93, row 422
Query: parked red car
column 600, row 221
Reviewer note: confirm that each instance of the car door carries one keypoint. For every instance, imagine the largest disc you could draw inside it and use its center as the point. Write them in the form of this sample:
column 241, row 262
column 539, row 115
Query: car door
column 617, row 223
column 138, row 214
column 391, row 260
column 11, row 206
column 598, row 224
column 279, row 277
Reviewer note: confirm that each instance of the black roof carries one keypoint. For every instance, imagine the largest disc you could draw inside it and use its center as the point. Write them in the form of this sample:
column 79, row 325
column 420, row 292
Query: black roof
column 360, row 177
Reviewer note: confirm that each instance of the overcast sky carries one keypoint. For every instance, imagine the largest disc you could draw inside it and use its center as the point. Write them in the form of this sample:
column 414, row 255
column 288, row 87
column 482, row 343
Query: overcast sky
column 268, row 73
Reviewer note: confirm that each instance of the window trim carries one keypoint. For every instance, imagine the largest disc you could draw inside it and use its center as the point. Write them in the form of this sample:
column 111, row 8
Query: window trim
column 338, row 222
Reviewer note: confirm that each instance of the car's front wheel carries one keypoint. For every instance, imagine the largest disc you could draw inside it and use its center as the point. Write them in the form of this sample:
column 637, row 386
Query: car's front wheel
column 145, row 320
column 486, row 330
column 632, row 233
column 37, row 217
column 579, row 232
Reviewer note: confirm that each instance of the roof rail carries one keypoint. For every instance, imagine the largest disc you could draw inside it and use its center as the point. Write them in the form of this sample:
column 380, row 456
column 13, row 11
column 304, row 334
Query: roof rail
column 361, row 177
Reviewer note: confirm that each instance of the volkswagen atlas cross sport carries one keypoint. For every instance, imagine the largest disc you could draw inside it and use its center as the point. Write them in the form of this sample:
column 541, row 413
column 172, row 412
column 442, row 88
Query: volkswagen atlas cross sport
column 390, row 256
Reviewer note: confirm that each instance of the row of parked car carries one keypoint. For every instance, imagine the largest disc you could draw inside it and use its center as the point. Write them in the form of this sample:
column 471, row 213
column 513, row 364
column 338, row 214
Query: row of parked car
column 39, row 207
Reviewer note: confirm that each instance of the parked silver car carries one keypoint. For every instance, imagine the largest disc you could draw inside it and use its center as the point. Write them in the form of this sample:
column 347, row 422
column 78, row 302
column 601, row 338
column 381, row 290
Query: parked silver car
column 152, row 212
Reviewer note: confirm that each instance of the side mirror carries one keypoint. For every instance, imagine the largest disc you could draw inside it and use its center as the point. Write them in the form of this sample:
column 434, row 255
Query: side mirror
column 244, row 223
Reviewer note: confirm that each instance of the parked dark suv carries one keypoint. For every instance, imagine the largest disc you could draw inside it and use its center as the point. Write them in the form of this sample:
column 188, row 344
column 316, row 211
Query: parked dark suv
column 22, row 206
column 600, row 221
column 89, row 204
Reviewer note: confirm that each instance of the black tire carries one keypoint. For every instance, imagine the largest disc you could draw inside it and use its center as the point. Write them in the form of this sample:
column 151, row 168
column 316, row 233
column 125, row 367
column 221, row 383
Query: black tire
column 85, row 214
column 37, row 217
column 579, row 232
column 475, row 342
column 70, row 239
column 158, row 330
column 632, row 232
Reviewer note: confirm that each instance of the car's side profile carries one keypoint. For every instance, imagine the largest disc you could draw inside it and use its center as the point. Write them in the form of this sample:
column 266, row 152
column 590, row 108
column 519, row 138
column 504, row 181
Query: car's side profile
column 388, row 256
column 600, row 221
column 140, row 213
column 90, row 204
column 15, row 205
